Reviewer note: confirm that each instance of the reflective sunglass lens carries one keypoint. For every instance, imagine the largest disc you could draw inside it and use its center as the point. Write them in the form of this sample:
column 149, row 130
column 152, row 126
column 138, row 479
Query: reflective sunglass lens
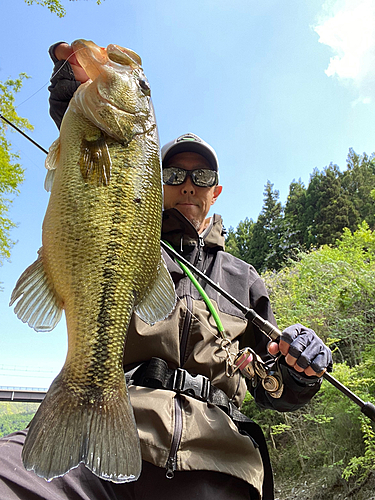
column 174, row 176
column 204, row 177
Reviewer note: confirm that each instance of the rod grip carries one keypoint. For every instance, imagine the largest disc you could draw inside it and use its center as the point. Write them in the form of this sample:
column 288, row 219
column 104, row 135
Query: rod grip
column 368, row 409
column 264, row 326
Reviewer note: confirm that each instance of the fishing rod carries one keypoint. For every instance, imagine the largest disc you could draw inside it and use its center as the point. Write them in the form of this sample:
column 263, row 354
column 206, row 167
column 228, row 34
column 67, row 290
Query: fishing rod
column 23, row 133
column 271, row 331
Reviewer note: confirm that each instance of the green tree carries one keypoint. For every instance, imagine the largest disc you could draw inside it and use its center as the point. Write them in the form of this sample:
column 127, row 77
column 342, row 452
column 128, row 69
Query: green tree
column 15, row 422
column 238, row 242
column 332, row 290
column 329, row 208
column 11, row 172
column 15, row 416
column 358, row 181
column 294, row 212
column 267, row 240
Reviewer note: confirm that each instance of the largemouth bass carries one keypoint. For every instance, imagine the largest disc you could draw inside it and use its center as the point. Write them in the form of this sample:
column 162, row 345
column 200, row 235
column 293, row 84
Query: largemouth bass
column 100, row 261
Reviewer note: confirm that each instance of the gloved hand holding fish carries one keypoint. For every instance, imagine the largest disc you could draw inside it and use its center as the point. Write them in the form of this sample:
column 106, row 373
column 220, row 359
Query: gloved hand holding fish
column 100, row 261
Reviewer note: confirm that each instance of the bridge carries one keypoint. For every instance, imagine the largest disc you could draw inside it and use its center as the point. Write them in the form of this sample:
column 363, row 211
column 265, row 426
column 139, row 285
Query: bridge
column 22, row 394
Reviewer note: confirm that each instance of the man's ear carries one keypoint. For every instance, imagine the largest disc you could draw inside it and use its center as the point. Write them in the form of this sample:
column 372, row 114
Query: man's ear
column 218, row 189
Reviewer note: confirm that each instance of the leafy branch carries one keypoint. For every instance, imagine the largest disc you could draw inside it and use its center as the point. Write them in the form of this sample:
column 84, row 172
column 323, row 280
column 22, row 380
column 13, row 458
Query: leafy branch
column 55, row 6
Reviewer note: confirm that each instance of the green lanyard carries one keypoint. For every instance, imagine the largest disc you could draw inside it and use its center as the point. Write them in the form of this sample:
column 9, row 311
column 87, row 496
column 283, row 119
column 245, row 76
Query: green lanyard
column 204, row 296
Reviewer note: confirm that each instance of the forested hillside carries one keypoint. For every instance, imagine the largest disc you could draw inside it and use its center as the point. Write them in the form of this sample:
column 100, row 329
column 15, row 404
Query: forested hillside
column 317, row 257
column 15, row 416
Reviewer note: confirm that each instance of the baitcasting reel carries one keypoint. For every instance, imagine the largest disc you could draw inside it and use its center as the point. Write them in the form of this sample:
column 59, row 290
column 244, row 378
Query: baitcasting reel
column 252, row 366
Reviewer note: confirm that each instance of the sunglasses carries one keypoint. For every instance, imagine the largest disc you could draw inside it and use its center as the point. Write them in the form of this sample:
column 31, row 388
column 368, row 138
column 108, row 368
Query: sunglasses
column 202, row 177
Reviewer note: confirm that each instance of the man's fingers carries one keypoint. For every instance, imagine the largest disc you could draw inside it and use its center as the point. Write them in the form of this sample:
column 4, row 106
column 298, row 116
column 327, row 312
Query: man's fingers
column 65, row 52
column 284, row 347
column 293, row 361
column 311, row 373
column 273, row 348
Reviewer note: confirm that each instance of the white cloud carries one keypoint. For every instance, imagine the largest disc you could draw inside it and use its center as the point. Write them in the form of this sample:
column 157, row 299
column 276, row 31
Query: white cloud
column 347, row 26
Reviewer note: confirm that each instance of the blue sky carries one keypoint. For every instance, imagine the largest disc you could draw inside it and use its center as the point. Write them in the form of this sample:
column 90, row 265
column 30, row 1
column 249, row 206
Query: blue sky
column 277, row 88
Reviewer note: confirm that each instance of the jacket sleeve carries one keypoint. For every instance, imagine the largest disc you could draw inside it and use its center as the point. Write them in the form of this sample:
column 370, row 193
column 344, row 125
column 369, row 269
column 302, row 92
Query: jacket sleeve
column 298, row 389
column 63, row 85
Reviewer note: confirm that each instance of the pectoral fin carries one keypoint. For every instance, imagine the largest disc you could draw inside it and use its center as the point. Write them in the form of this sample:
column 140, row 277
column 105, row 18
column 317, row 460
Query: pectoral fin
column 160, row 300
column 38, row 305
column 95, row 161
column 51, row 162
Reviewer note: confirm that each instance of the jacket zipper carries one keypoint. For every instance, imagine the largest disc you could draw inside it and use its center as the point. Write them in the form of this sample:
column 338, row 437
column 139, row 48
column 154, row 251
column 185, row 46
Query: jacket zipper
column 171, row 464
column 200, row 246
column 185, row 330
column 176, row 439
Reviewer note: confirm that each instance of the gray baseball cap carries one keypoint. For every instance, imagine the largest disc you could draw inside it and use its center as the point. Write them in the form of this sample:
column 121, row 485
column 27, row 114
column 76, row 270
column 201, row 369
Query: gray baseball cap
column 190, row 142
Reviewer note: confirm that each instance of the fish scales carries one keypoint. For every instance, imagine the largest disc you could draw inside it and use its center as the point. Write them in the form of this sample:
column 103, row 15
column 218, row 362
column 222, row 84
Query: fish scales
column 100, row 261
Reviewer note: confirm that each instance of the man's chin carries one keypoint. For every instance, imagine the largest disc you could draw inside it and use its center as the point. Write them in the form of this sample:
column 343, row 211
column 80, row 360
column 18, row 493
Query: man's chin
column 191, row 217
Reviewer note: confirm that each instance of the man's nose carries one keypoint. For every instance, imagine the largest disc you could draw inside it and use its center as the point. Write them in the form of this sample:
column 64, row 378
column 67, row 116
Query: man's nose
column 187, row 187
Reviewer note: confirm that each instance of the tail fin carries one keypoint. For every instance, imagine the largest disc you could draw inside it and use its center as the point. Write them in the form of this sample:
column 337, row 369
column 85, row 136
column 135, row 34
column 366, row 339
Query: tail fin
column 66, row 431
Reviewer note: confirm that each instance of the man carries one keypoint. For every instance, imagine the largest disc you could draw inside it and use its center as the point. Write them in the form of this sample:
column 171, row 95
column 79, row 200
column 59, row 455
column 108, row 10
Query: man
column 182, row 385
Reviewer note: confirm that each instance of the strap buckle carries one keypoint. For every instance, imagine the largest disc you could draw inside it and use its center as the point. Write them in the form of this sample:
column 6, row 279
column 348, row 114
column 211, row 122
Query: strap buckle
column 196, row 386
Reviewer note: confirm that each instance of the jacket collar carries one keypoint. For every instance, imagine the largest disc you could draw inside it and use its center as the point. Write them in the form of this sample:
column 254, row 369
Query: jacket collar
column 179, row 231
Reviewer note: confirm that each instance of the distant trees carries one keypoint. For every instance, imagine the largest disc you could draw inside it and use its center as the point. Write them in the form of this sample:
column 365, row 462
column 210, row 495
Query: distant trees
column 311, row 217
column 316, row 255
column 15, row 416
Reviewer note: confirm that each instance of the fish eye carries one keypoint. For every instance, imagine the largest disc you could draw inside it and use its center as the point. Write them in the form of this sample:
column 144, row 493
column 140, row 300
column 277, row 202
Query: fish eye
column 144, row 86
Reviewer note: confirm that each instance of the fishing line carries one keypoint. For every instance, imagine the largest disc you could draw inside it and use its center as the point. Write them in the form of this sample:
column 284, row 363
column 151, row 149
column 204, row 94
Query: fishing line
column 18, row 129
column 47, row 83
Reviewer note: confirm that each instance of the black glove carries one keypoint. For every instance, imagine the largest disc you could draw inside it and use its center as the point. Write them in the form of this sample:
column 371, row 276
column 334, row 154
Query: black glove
column 308, row 348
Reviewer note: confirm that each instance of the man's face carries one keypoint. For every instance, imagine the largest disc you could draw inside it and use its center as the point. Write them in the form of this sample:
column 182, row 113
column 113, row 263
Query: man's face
column 192, row 201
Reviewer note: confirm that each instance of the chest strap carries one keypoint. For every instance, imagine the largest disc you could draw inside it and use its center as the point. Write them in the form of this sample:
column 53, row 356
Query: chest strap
column 157, row 375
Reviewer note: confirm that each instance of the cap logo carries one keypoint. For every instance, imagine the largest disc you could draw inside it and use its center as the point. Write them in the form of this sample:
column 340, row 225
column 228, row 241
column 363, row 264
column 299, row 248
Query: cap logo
column 188, row 137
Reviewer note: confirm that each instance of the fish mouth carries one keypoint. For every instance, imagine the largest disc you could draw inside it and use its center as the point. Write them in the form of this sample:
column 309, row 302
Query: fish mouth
column 92, row 57
column 123, row 56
